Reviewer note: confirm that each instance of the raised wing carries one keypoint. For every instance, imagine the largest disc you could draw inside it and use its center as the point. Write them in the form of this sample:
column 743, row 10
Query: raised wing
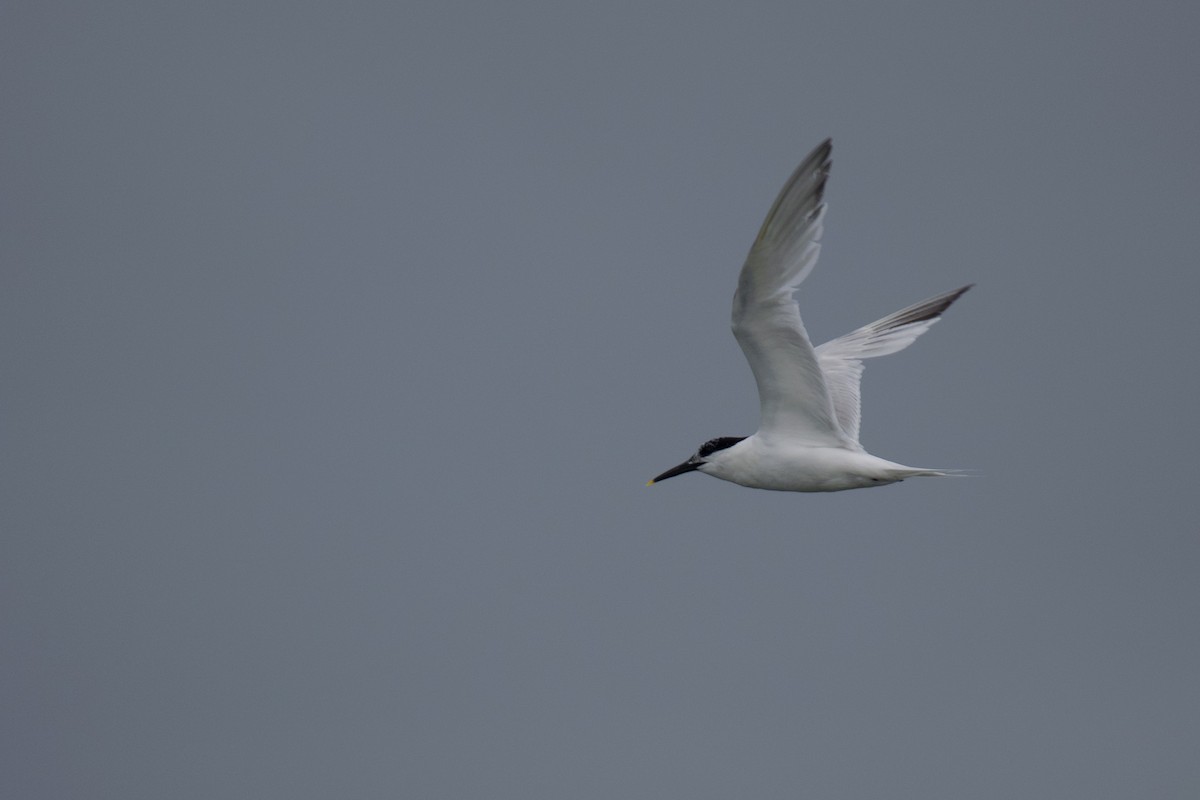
column 840, row 360
column 794, row 399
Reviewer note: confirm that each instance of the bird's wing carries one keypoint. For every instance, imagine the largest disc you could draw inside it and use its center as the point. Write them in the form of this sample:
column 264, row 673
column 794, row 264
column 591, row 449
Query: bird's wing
column 840, row 360
column 794, row 398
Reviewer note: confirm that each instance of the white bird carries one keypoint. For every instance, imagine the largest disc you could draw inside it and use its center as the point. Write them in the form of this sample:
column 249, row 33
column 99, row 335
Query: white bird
column 807, row 439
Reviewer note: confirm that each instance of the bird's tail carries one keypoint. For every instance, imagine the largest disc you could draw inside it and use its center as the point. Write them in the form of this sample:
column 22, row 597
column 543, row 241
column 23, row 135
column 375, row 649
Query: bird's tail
column 916, row 472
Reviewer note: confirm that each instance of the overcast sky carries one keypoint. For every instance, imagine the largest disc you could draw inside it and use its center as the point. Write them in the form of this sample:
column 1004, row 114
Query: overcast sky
column 338, row 341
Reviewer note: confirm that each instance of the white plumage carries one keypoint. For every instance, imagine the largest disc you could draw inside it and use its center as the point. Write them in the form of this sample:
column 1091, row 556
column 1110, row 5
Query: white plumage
column 807, row 440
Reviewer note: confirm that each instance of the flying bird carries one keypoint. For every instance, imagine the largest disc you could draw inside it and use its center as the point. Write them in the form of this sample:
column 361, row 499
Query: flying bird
column 807, row 439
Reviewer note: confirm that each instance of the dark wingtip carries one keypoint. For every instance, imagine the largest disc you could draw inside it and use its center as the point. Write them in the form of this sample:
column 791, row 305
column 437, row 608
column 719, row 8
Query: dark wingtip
column 926, row 309
column 805, row 187
column 950, row 297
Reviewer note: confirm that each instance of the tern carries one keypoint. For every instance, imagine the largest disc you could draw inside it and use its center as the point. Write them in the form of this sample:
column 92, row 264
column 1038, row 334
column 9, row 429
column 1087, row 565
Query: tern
column 807, row 439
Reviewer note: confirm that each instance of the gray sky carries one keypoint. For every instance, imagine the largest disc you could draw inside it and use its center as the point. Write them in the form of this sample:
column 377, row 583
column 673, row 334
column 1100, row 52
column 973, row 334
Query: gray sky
column 340, row 339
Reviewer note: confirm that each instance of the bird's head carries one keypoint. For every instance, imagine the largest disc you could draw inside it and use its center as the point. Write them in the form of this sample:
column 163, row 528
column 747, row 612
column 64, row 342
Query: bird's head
column 699, row 458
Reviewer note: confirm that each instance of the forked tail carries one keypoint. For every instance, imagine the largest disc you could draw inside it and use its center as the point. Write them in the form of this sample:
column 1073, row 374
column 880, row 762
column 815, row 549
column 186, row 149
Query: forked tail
column 914, row 472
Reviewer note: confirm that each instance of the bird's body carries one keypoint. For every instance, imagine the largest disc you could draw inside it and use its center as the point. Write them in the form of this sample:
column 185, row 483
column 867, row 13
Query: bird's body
column 761, row 463
column 807, row 439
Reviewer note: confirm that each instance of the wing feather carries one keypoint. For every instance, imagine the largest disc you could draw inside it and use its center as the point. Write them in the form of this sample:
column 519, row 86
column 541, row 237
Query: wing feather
column 795, row 401
column 840, row 360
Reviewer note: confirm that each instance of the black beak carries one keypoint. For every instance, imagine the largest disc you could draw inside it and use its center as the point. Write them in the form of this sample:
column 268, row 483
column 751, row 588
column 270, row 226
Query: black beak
column 688, row 466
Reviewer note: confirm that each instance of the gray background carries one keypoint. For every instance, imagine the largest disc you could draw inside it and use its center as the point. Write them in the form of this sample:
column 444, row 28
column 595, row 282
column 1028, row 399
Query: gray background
column 340, row 339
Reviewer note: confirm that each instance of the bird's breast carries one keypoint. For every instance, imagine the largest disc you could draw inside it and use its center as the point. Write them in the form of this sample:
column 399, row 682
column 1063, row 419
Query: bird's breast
column 796, row 468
